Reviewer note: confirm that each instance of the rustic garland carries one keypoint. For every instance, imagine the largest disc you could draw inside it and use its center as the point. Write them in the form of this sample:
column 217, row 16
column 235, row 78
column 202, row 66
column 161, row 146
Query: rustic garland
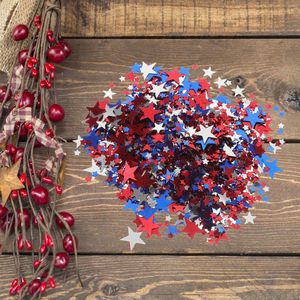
column 28, row 113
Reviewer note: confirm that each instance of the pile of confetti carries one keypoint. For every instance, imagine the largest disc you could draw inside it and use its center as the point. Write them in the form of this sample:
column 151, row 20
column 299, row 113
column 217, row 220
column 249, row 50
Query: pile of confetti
column 185, row 158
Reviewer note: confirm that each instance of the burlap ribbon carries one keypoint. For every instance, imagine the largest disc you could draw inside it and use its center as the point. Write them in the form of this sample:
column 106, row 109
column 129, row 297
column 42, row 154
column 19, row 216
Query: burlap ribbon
column 25, row 115
column 12, row 13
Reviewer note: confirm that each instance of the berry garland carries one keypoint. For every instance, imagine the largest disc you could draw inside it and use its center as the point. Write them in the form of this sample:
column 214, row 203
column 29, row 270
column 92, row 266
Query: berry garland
column 29, row 191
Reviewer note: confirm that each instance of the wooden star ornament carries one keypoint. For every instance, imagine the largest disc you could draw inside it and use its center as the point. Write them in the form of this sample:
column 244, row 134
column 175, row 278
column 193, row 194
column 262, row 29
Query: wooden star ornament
column 9, row 180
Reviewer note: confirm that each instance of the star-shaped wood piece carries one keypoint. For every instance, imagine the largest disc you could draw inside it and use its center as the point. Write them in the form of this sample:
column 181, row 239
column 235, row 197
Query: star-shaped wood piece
column 9, row 181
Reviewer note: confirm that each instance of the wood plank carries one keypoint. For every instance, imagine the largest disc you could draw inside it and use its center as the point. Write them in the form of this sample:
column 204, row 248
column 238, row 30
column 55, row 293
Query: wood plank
column 101, row 221
column 173, row 277
column 269, row 68
column 91, row 18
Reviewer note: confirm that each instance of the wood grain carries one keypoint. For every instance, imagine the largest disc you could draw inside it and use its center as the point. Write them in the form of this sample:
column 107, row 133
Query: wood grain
column 180, row 18
column 101, row 221
column 269, row 68
column 173, row 277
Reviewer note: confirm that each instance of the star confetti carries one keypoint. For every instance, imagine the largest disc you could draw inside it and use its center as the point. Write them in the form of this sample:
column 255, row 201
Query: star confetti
column 185, row 158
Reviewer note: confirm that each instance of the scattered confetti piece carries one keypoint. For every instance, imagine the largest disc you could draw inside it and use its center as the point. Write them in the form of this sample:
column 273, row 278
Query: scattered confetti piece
column 133, row 238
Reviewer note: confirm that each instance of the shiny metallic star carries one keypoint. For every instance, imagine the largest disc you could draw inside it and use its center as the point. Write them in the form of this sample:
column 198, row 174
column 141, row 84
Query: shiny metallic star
column 220, row 82
column 249, row 218
column 108, row 94
column 228, row 150
column 238, row 91
column 93, row 169
column 205, row 132
column 147, row 69
column 78, row 141
column 157, row 89
column 208, row 72
column 101, row 124
column 109, row 112
column 158, row 127
column 133, row 238
column 76, row 152
column 140, row 195
column 222, row 198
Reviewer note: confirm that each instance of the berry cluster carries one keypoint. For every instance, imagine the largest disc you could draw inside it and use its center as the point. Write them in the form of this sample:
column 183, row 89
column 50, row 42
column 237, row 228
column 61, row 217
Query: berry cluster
column 28, row 196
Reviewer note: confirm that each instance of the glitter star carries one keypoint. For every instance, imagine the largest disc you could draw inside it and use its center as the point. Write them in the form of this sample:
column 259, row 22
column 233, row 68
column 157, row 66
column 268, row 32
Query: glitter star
column 133, row 238
column 108, row 94
column 205, row 133
column 147, row 69
column 249, row 218
column 208, row 72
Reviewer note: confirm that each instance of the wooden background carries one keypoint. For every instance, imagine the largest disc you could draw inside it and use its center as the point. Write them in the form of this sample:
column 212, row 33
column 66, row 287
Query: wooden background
column 254, row 43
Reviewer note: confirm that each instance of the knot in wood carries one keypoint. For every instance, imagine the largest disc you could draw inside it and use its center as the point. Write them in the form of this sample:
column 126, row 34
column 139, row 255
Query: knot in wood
column 239, row 80
column 110, row 289
column 291, row 98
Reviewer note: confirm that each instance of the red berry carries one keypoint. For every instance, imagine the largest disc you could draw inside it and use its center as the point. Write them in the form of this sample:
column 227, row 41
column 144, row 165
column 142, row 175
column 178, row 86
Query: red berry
column 36, row 263
column 20, row 242
column 13, row 290
column 40, row 195
column 23, row 194
column 3, row 211
column 67, row 217
column 68, row 243
column 14, row 194
column 43, row 249
column 50, row 37
column 20, row 32
column 27, row 99
column 11, row 149
column 3, row 90
column 14, row 282
column 23, row 178
column 34, row 72
column 48, row 240
column 47, row 180
column 28, row 245
column 23, row 281
column 61, row 260
column 34, row 286
column 43, row 287
column 23, row 54
column 56, row 113
column 18, row 155
column 56, row 54
column 58, row 189
column 49, row 133
column 52, row 282
column 66, row 47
